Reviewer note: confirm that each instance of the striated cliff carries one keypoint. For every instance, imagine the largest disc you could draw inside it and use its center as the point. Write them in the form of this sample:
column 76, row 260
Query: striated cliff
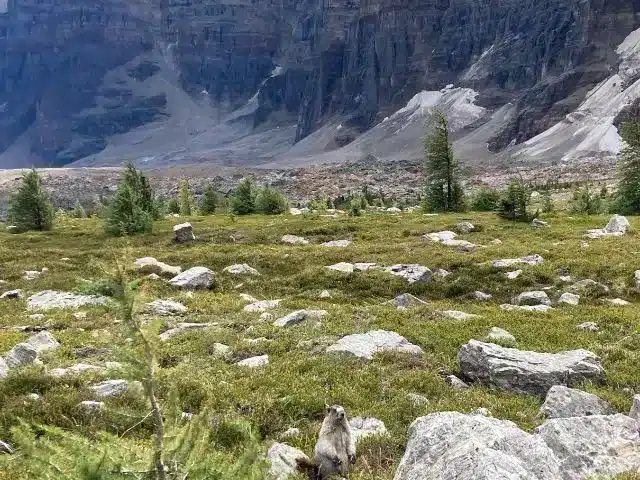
column 252, row 82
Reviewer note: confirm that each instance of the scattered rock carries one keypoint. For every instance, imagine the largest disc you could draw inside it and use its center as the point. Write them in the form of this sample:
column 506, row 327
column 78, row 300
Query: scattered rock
column 294, row 240
column 412, row 273
column 508, row 262
column 533, row 298
column 442, row 273
column 456, row 315
column 262, row 305
column 617, row 226
column 49, row 299
column 181, row 328
column 596, row 446
column 325, row 294
column 499, row 334
column 337, row 243
column 43, row 341
column 481, row 296
column 569, row 299
column 165, row 308
column 6, row 448
column 562, row 402
column 526, row 308
column 452, row 445
column 114, row 388
column 635, row 409
column 299, row 316
column 406, row 300
column 75, row 370
column 283, row 458
column 183, row 233
column 589, row 327
column 527, row 372
column 465, row 227
column 342, row 267
column 362, row 427
column 34, row 274
column 20, row 355
column 194, row 278
column 91, row 406
column 152, row 266
column 295, row 211
column 589, row 287
column 462, row 245
column 221, row 351
column 241, row 269
column 418, row 400
column 254, row 362
column 513, row 275
column 456, row 383
column 440, row 236
column 366, row 345
column 11, row 294
column 616, row 302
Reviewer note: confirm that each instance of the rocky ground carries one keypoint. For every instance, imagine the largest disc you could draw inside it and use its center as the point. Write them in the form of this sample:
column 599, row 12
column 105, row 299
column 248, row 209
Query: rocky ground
column 462, row 346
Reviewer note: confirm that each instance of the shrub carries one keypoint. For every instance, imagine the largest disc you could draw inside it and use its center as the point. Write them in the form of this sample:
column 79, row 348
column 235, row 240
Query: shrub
column 173, row 206
column 356, row 206
column 78, row 211
column 30, row 207
column 243, row 201
column 208, row 201
column 271, row 202
column 186, row 199
column 585, row 202
column 485, row 200
column 126, row 215
column 515, row 202
column 547, row 203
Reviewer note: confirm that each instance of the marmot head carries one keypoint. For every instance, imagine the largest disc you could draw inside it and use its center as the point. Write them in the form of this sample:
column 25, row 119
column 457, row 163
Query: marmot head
column 336, row 413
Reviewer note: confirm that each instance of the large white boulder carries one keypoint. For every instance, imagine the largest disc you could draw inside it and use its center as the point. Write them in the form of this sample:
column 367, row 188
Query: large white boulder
column 366, row 345
column 194, row 278
column 362, row 427
column 20, row 355
column 183, row 233
column 527, row 372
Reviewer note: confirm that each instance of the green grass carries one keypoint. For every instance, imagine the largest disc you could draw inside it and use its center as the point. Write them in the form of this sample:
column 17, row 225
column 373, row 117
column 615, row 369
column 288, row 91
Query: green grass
column 293, row 389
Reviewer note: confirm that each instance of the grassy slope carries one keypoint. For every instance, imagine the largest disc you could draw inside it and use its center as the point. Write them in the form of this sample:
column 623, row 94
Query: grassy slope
column 292, row 390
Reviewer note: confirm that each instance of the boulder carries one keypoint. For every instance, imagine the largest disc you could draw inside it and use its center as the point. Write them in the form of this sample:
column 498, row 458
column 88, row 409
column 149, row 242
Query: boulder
column 11, row 294
column 412, row 273
column 533, row 298
column 194, row 278
column 342, row 267
column 181, row 328
column 75, row 370
column 527, row 372
column 562, row 402
column 149, row 265
column 617, row 224
column 299, row 316
column 91, row 406
column 440, row 236
column 589, row 287
column 6, row 448
column 452, row 445
column 616, row 302
column 282, row 458
column 362, row 427
column 366, row 345
column 589, row 327
column 456, row 383
column 635, row 408
column 509, row 262
column 457, row 315
column 598, row 446
column 43, row 341
column 337, row 243
column 569, row 299
column 183, row 233
column 240, row 269
column 34, row 274
column 405, row 300
column 165, row 308
column 526, row 308
column 114, row 388
column 465, row 227
column 481, row 296
column 294, row 240
column 254, row 362
column 49, row 299
column 20, row 355
column 499, row 334
column 261, row 305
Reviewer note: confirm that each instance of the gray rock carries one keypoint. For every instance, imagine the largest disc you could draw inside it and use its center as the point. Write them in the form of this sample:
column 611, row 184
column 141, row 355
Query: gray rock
column 366, row 345
column 456, row 383
column 34, row 274
column 616, row 302
column 457, row 315
column 183, row 233
column 165, row 308
column 91, row 406
column 75, row 370
column 114, row 388
column 562, row 402
column 194, row 278
column 440, row 236
column 363, row 266
column 569, row 299
column 527, row 372
column 533, row 298
column 254, row 362
column 499, row 334
column 589, row 327
column 248, row 298
column 509, row 262
column 462, row 245
column 442, row 273
column 43, row 341
column 406, row 300
column 337, row 243
column 481, row 296
column 325, row 294
column 152, row 266
column 452, row 445
column 596, row 446
column 240, row 269
column 617, row 224
column 299, row 316
column 283, row 458
column 635, row 409
column 513, row 275
column 181, row 328
column 20, row 355
column 412, row 273
column 526, row 308
column 261, row 306
column 49, row 299
column 418, row 400
column 294, row 240
column 11, row 294
column 466, row 227
column 589, row 287
column 6, row 448
column 363, row 427
column 4, row 369
column 342, row 267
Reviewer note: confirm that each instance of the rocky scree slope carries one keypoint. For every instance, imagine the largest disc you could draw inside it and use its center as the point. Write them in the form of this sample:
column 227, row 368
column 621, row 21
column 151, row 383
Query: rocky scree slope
column 241, row 82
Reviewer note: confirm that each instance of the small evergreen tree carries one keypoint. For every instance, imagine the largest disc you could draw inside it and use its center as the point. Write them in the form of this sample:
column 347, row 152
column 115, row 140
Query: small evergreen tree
column 627, row 197
column 209, row 200
column 186, row 199
column 443, row 192
column 585, row 202
column 547, row 203
column 78, row 211
column 357, row 205
column 515, row 202
column 30, row 207
column 243, row 201
column 173, row 206
column 485, row 200
column 132, row 209
column 270, row 201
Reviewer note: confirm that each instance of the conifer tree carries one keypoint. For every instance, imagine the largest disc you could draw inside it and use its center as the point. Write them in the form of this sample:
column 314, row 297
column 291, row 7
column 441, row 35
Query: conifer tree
column 78, row 211
column 186, row 199
column 133, row 208
column 627, row 198
column 444, row 191
column 209, row 200
column 270, row 201
column 243, row 201
column 30, row 207
column 173, row 206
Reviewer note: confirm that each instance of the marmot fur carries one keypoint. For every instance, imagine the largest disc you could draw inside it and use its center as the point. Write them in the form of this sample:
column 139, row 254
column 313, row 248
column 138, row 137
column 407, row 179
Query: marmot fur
column 335, row 449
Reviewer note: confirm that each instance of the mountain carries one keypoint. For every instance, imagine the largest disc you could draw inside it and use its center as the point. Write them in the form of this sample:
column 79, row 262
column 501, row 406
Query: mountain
column 295, row 82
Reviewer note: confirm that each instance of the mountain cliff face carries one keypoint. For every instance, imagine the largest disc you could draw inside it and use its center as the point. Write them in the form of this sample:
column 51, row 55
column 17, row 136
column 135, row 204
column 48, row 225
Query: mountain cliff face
column 253, row 81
